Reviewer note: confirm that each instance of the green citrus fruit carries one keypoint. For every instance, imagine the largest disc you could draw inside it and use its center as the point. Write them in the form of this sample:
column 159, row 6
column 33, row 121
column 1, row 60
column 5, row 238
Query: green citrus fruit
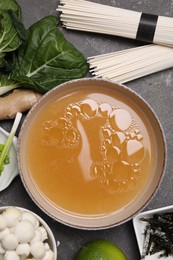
column 100, row 250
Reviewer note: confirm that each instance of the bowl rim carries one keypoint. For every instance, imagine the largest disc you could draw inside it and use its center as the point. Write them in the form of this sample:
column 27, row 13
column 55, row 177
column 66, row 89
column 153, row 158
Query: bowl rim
column 42, row 222
column 84, row 225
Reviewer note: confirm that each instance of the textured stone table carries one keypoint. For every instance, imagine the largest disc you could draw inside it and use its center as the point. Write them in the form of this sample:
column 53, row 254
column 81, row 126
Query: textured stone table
column 156, row 89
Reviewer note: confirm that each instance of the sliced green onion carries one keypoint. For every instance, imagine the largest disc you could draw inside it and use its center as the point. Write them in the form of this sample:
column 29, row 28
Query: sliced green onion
column 9, row 140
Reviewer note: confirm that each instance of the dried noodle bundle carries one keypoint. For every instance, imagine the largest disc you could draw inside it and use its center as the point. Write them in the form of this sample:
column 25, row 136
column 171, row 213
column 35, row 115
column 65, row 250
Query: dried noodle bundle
column 122, row 66
column 93, row 17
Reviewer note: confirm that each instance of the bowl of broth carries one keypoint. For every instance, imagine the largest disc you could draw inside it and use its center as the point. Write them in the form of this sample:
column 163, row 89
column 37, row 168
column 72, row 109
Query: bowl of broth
column 91, row 153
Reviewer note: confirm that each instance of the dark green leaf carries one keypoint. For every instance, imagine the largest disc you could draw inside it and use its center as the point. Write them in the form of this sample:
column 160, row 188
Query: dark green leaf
column 10, row 5
column 18, row 25
column 12, row 31
column 5, row 81
column 47, row 59
column 10, row 40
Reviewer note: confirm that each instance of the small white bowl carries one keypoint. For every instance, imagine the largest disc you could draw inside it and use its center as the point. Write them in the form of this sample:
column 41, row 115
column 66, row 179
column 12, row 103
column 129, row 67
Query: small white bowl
column 139, row 227
column 11, row 169
column 51, row 239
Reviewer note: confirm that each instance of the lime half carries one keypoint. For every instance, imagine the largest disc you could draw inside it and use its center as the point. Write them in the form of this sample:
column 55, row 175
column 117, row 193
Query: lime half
column 101, row 250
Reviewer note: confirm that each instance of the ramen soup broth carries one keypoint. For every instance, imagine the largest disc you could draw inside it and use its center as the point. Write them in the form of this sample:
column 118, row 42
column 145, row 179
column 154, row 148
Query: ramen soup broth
column 90, row 150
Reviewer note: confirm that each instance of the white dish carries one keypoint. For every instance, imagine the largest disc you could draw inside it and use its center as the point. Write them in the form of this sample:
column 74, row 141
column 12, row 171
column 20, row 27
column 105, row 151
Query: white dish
column 139, row 227
column 11, row 169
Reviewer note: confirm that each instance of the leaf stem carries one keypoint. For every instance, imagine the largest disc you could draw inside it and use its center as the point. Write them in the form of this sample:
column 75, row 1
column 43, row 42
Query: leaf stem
column 6, row 89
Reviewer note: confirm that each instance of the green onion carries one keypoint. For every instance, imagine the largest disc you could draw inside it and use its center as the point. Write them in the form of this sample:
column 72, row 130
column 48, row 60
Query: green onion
column 4, row 153
column 7, row 158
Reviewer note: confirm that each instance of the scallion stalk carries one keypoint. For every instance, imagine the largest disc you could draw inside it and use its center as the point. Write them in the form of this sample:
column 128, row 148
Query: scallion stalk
column 9, row 140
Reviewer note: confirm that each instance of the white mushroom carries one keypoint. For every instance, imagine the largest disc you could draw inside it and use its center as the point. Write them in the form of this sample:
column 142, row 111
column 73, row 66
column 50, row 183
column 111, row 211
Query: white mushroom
column 30, row 217
column 43, row 232
column 37, row 224
column 23, row 257
column 2, row 223
column 47, row 247
column 4, row 232
column 38, row 249
column 2, row 250
column 24, row 231
column 11, row 216
column 9, row 242
column 49, row 255
column 11, row 255
column 37, row 236
column 23, row 250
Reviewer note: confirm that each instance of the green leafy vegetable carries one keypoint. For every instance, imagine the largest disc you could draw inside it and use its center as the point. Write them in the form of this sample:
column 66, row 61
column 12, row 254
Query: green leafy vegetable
column 6, row 84
column 10, row 5
column 12, row 31
column 46, row 59
column 4, row 154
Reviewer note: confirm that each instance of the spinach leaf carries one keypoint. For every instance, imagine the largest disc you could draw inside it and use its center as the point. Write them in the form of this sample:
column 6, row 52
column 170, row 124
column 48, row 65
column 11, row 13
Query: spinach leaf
column 10, row 5
column 7, row 84
column 9, row 37
column 47, row 58
column 12, row 31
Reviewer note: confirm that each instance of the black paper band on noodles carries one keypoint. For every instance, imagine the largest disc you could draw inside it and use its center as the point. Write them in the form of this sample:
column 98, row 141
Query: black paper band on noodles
column 147, row 27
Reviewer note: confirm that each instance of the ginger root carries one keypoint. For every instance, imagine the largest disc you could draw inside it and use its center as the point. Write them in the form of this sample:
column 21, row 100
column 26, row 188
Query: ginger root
column 20, row 100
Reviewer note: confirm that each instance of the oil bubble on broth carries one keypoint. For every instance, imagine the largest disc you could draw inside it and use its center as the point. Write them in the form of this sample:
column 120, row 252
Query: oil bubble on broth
column 101, row 156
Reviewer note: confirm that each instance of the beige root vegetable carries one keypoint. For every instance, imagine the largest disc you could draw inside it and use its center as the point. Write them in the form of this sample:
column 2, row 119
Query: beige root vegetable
column 20, row 100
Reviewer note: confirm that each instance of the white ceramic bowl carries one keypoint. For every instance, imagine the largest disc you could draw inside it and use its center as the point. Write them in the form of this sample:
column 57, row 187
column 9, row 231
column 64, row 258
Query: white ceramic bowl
column 127, row 212
column 139, row 227
column 51, row 239
column 10, row 170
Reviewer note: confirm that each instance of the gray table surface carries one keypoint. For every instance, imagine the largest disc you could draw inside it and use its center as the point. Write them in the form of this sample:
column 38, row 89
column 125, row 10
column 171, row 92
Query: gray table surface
column 156, row 89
